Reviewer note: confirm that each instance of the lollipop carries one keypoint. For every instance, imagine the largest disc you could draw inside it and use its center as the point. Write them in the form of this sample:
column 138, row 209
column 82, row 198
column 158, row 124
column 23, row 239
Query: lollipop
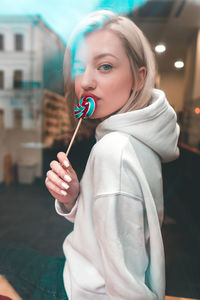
column 83, row 110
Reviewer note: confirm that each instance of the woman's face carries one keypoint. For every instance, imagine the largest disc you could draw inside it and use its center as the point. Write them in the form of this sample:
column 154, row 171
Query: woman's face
column 103, row 70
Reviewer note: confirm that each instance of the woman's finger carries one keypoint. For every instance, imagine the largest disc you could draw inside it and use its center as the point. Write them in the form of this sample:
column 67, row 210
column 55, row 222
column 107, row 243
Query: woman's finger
column 53, row 177
column 64, row 161
column 62, row 173
column 54, row 188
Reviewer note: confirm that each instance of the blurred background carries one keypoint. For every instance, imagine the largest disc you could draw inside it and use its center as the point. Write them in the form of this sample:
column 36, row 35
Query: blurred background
column 35, row 122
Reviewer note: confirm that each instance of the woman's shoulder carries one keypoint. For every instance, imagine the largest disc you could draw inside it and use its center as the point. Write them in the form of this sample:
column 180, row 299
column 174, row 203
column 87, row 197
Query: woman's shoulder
column 111, row 145
column 114, row 165
column 124, row 150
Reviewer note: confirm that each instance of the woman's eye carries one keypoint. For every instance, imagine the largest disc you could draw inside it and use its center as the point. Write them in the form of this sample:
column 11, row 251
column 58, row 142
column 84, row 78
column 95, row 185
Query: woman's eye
column 105, row 67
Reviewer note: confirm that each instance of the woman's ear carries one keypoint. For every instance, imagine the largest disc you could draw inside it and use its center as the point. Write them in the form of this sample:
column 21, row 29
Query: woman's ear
column 142, row 72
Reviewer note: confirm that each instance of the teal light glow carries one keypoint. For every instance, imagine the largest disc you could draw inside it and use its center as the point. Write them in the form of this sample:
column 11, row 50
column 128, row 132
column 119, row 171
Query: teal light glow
column 120, row 6
column 62, row 15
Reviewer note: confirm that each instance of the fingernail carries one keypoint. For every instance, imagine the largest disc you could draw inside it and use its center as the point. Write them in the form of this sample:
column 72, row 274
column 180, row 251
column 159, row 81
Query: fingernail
column 65, row 162
column 67, row 178
column 63, row 192
column 65, row 185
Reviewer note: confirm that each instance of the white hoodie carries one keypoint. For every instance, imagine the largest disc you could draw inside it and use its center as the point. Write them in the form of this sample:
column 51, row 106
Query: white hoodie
column 115, row 250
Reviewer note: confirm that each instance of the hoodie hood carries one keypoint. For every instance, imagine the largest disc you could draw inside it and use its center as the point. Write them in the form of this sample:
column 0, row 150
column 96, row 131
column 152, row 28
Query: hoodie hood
column 155, row 125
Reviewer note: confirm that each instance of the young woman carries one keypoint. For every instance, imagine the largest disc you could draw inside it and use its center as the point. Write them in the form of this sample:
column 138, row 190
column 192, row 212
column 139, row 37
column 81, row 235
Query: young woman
column 115, row 250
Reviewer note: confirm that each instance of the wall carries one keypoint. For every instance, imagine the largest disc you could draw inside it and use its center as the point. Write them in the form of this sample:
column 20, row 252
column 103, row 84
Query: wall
column 172, row 84
column 11, row 141
column 191, row 120
column 196, row 89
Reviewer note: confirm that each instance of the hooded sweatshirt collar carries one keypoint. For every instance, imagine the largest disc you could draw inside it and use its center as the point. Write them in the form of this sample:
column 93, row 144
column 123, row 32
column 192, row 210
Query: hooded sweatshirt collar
column 155, row 126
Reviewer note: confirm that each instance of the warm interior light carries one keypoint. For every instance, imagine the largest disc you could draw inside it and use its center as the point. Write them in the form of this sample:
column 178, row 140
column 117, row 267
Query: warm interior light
column 197, row 110
column 179, row 64
column 160, row 48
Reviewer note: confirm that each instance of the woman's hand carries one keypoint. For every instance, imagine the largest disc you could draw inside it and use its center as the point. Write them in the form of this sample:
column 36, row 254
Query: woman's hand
column 62, row 181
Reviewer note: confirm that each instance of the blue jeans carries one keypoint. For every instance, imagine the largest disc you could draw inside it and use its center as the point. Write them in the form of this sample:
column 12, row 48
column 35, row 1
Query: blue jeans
column 33, row 275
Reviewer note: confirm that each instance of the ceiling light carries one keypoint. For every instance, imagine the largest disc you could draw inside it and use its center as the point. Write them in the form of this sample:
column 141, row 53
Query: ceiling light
column 160, row 48
column 197, row 110
column 179, row 64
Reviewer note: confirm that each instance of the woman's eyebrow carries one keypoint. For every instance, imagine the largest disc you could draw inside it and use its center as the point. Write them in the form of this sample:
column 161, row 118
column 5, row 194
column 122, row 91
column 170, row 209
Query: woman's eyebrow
column 96, row 57
column 104, row 54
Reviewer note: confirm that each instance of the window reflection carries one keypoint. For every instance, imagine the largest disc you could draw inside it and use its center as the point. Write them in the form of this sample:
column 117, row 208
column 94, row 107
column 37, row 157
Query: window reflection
column 1, row 79
column 18, row 77
column 1, row 42
column 31, row 69
column 18, row 42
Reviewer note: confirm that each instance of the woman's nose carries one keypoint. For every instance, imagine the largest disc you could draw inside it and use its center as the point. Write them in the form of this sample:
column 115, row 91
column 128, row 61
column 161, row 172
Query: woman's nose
column 88, row 80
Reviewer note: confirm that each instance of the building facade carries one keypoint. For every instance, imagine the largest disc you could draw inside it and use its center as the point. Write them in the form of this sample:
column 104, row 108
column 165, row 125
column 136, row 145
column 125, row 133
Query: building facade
column 31, row 58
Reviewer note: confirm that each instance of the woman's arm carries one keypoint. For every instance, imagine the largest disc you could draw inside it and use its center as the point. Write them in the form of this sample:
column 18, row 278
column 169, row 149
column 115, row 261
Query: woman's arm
column 126, row 223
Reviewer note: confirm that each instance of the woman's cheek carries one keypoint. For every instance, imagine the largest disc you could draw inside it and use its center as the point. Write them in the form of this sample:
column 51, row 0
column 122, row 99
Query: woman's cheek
column 112, row 83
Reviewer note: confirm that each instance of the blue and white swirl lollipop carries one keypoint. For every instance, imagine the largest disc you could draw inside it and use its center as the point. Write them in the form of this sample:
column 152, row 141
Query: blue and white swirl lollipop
column 85, row 108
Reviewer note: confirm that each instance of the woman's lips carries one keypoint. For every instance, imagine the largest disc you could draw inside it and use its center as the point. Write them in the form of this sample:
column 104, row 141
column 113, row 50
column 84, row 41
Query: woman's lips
column 90, row 95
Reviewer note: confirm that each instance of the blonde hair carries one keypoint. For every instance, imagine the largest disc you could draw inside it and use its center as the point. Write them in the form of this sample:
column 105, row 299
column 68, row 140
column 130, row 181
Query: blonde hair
column 136, row 46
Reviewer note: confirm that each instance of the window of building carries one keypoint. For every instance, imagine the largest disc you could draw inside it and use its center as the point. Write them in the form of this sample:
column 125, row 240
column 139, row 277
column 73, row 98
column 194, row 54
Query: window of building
column 1, row 79
column 1, row 118
column 17, row 116
column 1, row 42
column 17, row 79
column 18, row 42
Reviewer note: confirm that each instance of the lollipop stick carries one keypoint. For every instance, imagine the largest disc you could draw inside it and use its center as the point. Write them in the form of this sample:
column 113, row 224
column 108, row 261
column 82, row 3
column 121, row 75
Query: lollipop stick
column 73, row 137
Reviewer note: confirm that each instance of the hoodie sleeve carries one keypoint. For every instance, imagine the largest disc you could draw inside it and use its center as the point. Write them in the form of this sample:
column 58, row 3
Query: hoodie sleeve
column 60, row 209
column 119, row 226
